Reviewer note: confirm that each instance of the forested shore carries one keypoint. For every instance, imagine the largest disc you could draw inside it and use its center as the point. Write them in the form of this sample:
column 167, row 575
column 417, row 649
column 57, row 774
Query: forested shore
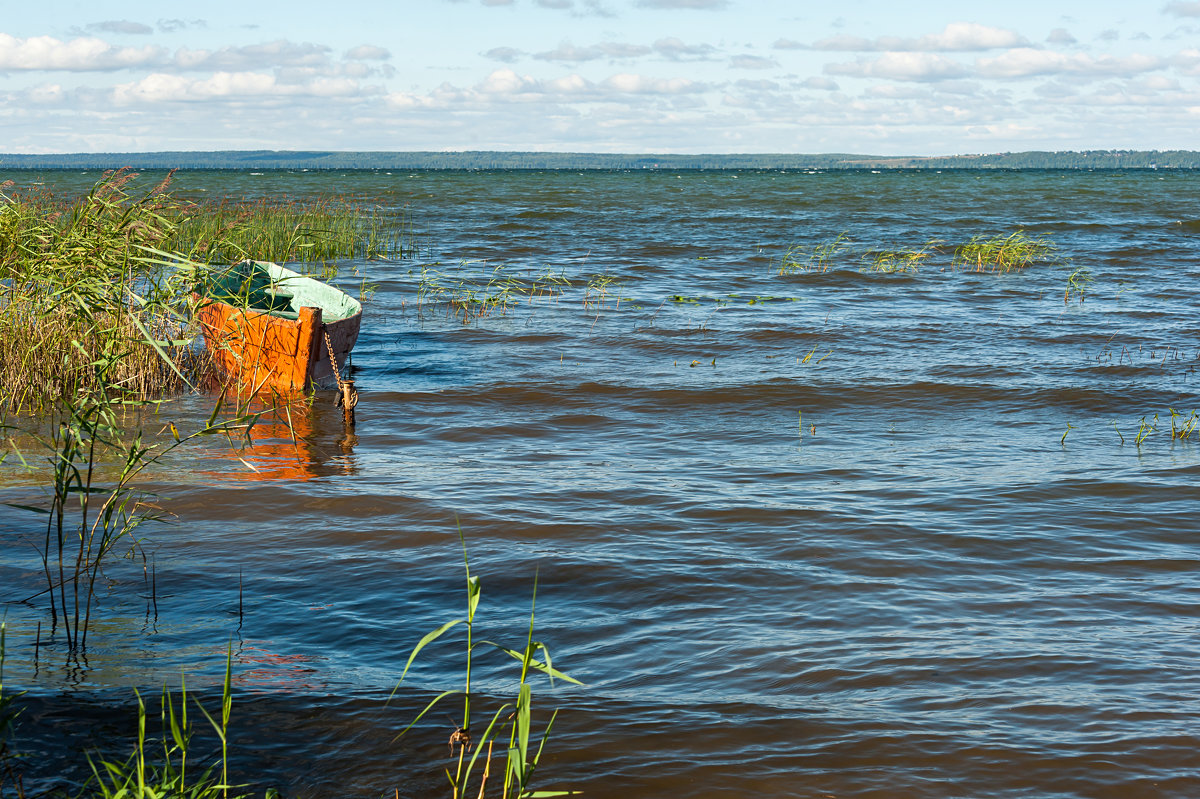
column 319, row 159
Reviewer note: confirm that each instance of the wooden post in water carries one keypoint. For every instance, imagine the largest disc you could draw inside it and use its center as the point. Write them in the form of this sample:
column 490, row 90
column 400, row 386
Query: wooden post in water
column 308, row 345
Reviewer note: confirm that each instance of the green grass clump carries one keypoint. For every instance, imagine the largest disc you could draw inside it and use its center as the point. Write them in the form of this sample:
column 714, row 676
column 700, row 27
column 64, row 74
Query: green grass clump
column 900, row 260
column 817, row 258
column 1009, row 253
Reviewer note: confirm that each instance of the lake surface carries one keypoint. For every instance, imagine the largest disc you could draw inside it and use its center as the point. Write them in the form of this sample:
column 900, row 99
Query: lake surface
column 806, row 534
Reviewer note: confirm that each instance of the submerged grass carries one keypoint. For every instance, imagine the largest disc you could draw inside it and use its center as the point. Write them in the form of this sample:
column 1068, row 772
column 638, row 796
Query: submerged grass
column 474, row 295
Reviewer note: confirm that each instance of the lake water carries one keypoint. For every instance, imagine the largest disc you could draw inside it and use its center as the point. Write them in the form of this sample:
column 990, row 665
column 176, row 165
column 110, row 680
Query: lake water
column 806, row 534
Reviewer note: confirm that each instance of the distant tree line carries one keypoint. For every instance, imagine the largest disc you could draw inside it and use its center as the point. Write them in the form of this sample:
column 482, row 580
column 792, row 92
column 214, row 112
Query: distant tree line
column 320, row 159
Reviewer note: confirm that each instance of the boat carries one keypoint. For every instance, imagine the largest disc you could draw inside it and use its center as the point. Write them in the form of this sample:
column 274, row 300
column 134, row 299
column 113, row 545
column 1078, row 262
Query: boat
column 269, row 328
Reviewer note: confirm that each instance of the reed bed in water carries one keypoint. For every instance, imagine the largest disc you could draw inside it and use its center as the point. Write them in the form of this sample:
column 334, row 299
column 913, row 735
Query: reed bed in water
column 284, row 229
column 101, row 284
column 85, row 291
column 1009, row 253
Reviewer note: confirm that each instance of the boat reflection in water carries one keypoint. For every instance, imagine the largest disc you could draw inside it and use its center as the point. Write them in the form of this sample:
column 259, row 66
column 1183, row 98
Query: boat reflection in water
column 294, row 438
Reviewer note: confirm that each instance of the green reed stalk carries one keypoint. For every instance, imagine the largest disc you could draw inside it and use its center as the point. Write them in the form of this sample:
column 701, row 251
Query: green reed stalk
column 140, row 776
column 520, row 764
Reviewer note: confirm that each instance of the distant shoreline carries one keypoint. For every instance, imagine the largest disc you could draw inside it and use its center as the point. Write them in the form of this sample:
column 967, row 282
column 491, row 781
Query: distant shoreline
column 500, row 160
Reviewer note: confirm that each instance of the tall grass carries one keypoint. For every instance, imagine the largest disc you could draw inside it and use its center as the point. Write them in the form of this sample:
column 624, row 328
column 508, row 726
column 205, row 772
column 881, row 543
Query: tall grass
column 103, row 282
column 1009, row 253
column 284, row 229
column 172, row 772
column 510, row 726
column 83, row 291
column 817, row 258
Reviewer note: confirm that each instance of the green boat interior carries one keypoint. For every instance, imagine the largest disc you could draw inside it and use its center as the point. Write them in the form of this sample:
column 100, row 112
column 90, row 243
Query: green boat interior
column 269, row 288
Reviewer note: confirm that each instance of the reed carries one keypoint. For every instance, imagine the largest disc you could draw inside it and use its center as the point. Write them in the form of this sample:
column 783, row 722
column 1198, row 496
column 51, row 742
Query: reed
column 313, row 231
column 144, row 775
column 81, row 292
column 900, row 259
column 512, row 720
column 817, row 258
column 1010, row 253
column 94, row 505
column 473, row 295
column 1077, row 283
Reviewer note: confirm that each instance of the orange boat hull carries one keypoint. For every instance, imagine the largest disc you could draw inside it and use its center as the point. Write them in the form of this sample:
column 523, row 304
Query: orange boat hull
column 257, row 352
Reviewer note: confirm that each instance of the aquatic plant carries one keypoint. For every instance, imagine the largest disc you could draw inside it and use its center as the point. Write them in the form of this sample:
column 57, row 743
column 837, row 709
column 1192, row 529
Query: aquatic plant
column 82, row 289
column 512, row 720
column 596, row 292
column 1077, row 282
column 142, row 775
column 473, row 296
column 1004, row 253
column 89, row 516
column 1183, row 427
column 319, row 231
column 900, row 260
column 107, row 279
column 817, row 258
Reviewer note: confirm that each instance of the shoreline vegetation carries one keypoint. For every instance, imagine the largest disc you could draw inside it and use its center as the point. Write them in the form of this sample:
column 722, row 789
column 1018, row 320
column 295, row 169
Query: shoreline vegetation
column 98, row 289
column 505, row 160
column 97, row 316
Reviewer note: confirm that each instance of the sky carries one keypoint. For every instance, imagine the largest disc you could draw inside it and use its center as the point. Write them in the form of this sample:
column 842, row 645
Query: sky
column 629, row 76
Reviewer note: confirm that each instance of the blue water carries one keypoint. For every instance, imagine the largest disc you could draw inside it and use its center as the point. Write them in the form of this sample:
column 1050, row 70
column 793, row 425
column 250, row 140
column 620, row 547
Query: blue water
column 804, row 534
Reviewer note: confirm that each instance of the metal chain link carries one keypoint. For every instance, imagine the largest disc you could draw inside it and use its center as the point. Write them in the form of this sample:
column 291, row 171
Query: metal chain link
column 347, row 394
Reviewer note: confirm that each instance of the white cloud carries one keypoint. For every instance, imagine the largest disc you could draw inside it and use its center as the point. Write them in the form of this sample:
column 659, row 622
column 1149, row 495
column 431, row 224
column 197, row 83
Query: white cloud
column 505, row 54
column 1187, row 61
column 1183, row 8
column 957, row 37
column 676, row 50
column 161, row 87
column 567, row 52
column 823, row 84
column 640, row 84
column 85, row 54
column 50, row 94
column 901, row 66
column 279, row 53
column 122, row 26
column 1060, row 36
column 174, row 25
column 752, row 62
column 505, row 81
column 1027, row 62
column 507, row 85
column 368, row 52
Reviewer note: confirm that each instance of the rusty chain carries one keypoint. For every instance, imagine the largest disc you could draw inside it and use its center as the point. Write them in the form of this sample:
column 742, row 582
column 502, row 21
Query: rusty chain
column 347, row 397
